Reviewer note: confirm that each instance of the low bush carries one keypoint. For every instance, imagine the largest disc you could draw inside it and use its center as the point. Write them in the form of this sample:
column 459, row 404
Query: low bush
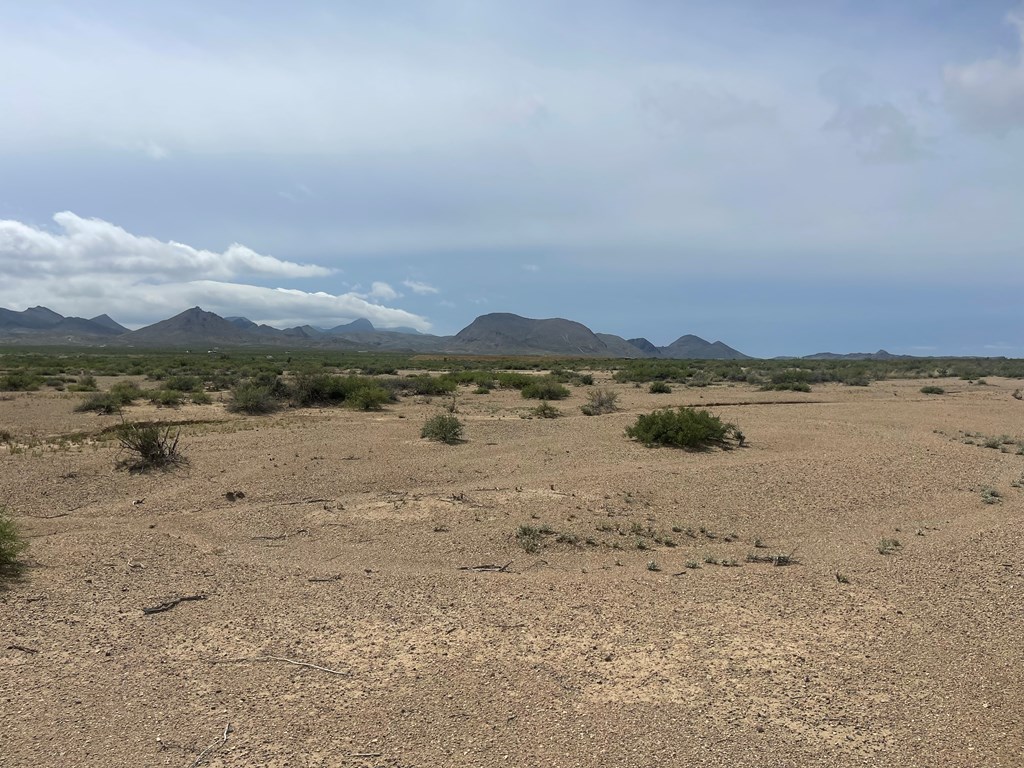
column 253, row 398
column 182, row 383
column 930, row 390
column 11, row 544
column 659, row 388
column 86, row 383
column 685, row 428
column 443, row 428
column 19, row 381
column 149, row 446
column 369, row 398
column 101, row 402
column 600, row 401
column 546, row 411
column 166, row 397
column 200, row 397
column 545, row 389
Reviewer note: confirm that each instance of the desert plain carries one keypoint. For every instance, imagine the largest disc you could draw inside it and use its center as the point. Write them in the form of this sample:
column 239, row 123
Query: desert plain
column 365, row 597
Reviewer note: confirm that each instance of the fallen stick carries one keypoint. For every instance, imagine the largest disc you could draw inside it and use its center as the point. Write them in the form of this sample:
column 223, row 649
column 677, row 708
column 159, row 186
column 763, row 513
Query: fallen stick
column 172, row 603
column 486, row 568
column 21, row 648
column 213, row 747
column 282, row 659
column 282, row 536
column 321, row 579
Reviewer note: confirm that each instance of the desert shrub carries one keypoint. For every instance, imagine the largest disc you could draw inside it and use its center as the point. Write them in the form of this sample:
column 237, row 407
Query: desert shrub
column 19, row 381
column 125, row 392
column 857, row 381
column 430, row 385
column 182, row 383
column 200, row 397
column 659, row 388
column 1017, row 395
column 600, row 401
column 585, row 380
column 545, row 389
column 792, row 385
column 86, row 383
column 482, row 390
column 149, row 446
column 11, row 544
column 101, row 402
column 166, row 397
column 510, row 380
column 444, row 428
column 685, row 428
column 369, row 398
column 252, row 398
column 546, row 411
column 930, row 390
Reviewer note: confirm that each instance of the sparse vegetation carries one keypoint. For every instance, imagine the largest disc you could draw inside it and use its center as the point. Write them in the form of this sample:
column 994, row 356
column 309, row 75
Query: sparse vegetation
column 991, row 496
column 11, row 545
column 889, row 546
column 546, row 411
column 932, row 390
column 659, row 388
column 443, row 428
column 252, row 398
column 531, row 538
column 685, row 428
column 600, row 401
column 545, row 389
column 779, row 559
column 149, row 446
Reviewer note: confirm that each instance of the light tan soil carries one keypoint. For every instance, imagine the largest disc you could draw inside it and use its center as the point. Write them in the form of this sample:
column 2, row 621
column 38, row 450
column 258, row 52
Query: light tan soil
column 345, row 552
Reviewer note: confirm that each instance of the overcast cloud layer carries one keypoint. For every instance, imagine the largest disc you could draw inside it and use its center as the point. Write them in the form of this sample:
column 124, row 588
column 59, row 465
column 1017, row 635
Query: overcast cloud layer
column 788, row 177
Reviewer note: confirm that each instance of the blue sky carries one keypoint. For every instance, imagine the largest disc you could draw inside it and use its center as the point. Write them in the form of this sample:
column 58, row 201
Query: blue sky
column 788, row 177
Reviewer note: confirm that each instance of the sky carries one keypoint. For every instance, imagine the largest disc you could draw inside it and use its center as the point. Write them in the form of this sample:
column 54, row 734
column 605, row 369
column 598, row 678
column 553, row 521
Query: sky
column 787, row 177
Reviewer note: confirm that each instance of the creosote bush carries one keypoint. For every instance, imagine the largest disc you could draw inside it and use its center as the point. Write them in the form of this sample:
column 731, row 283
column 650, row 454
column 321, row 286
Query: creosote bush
column 600, row 401
column 659, row 388
column 685, row 428
column 11, row 545
column 543, row 389
column 149, row 446
column 546, row 411
column 253, row 398
column 443, row 428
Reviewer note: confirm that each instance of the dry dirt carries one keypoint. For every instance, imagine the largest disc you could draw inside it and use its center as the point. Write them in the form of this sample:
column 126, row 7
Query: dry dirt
column 337, row 628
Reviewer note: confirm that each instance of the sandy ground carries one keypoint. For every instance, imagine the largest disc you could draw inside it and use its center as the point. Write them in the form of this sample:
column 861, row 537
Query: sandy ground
column 338, row 630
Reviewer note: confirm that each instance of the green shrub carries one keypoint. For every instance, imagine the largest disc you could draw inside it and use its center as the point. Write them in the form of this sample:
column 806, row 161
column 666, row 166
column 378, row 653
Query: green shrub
column 252, row 398
column 444, row 428
column 684, row 427
column 19, row 381
column 126, row 392
column 545, row 389
column 791, row 385
column 86, row 383
column 369, row 398
column 659, row 388
column 546, row 411
column 182, row 383
column 600, row 401
column 482, row 390
column 149, row 446
column 930, row 390
column 101, row 402
column 166, row 397
column 430, row 385
column 11, row 544
column 200, row 397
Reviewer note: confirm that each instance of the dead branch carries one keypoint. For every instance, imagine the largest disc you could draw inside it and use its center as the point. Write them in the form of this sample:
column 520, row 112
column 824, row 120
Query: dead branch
column 322, row 579
column 172, row 603
column 21, row 648
column 281, row 537
column 213, row 747
column 489, row 568
column 282, row 659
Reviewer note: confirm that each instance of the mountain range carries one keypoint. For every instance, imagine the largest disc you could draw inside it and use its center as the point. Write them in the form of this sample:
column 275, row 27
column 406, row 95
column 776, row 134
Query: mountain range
column 499, row 333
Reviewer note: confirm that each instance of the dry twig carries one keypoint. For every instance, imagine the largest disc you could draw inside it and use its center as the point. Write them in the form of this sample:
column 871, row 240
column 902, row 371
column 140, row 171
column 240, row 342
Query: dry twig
column 172, row 603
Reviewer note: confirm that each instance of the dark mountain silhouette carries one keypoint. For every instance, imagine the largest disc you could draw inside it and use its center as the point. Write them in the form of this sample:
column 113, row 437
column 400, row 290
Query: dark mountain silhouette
column 694, row 347
column 108, row 322
column 879, row 355
column 645, row 346
column 501, row 333
column 192, row 327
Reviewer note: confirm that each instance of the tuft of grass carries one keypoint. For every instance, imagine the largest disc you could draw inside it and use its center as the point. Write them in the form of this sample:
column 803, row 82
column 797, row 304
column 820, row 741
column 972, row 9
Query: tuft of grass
column 842, row 578
column 889, row 546
column 659, row 388
column 932, row 390
column 653, row 566
column 780, row 559
column 684, row 428
column 991, row 496
column 11, row 545
column 600, row 401
column 149, row 446
column 531, row 538
column 443, row 428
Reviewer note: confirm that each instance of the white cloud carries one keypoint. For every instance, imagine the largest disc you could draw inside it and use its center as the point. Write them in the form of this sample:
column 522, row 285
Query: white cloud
column 988, row 95
column 420, row 289
column 95, row 267
column 94, row 246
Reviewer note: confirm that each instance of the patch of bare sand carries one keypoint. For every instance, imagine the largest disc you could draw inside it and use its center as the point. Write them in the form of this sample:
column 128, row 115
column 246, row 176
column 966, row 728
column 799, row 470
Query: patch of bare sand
column 345, row 552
